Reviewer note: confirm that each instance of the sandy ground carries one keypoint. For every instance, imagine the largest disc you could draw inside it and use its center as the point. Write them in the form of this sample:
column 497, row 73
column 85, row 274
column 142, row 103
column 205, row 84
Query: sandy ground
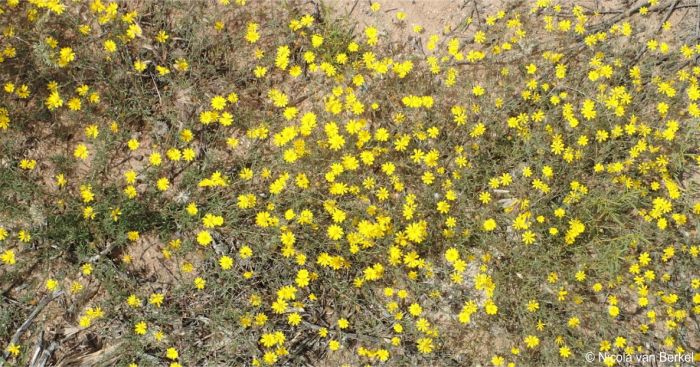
column 438, row 16
column 433, row 15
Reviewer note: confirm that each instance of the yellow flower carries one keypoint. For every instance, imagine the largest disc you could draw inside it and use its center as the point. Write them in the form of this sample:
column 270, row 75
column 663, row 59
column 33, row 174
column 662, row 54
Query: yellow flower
column 8, row 257
column 86, row 269
column 140, row 328
column 155, row 159
column 188, row 154
column 334, row 345
column 156, row 299
column 245, row 252
column 225, row 262
column 613, row 310
column 162, row 70
column 335, row 232
column 451, row 255
column 199, row 283
column 110, row 46
column 425, row 345
column 497, row 361
column 66, row 55
column 316, row 40
column 294, row 319
column 139, row 66
column 181, row 65
column 192, row 209
column 302, row 278
column 13, row 349
column 260, row 71
column 133, row 236
column 588, row 110
column 218, row 103
column 204, row 238
column 252, row 34
column 532, row 341
column 133, row 301
column 74, row 104
column 415, row 309
column 468, row 309
column 162, row 36
column 53, row 101
column 565, row 352
column 489, row 225
column 172, row 354
column 27, row 164
column 163, row 184
column 490, row 307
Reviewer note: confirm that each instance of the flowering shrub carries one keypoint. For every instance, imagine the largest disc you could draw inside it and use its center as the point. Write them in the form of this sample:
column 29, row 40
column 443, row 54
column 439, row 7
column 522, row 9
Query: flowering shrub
column 200, row 183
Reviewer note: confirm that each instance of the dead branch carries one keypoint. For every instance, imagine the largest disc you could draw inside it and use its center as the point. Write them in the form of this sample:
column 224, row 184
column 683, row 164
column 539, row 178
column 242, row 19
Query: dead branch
column 39, row 307
column 668, row 14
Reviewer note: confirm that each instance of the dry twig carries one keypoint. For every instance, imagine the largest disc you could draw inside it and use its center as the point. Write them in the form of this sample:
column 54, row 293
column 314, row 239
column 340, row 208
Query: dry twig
column 28, row 322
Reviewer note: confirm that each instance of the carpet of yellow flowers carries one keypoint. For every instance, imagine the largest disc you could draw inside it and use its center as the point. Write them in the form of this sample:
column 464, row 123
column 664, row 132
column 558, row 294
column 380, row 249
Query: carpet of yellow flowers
column 241, row 183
